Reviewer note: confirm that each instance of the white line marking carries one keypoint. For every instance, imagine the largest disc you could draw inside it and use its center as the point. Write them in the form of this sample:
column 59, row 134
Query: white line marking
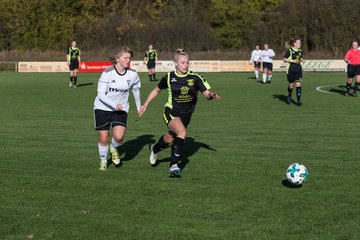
column 323, row 91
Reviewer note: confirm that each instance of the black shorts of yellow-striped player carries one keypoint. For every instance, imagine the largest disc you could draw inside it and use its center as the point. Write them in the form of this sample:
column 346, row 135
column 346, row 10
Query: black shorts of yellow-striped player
column 170, row 114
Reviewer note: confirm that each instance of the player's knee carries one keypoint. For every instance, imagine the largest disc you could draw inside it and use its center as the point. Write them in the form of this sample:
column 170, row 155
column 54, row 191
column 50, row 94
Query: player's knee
column 181, row 133
column 169, row 138
column 104, row 140
column 118, row 139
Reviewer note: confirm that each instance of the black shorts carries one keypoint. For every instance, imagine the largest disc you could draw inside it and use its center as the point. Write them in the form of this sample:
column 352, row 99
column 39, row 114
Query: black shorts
column 74, row 65
column 169, row 115
column 257, row 64
column 294, row 74
column 150, row 64
column 353, row 70
column 103, row 119
column 268, row 66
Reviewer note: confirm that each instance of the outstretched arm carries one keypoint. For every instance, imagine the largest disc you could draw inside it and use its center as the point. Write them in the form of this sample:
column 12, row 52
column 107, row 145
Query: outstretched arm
column 136, row 93
column 153, row 94
column 211, row 95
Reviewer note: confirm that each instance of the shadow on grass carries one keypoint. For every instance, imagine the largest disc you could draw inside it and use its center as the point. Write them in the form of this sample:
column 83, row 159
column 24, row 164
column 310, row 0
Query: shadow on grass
column 287, row 184
column 339, row 91
column 130, row 149
column 190, row 147
column 84, row 84
column 282, row 98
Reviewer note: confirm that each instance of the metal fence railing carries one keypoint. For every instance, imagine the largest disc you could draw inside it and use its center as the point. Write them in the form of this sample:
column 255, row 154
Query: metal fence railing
column 8, row 67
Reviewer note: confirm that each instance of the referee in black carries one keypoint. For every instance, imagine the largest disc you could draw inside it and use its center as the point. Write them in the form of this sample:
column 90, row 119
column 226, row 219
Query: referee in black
column 150, row 59
column 182, row 86
column 73, row 61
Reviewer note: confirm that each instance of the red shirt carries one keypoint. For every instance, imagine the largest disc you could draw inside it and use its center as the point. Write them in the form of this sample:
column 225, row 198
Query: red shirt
column 353, row 56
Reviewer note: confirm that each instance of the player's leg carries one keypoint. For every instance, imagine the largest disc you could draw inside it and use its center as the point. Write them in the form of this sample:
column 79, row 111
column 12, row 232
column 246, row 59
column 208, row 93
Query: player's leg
column 71, row 76
column 116, row 142
column 269, row 76
column 357, row 80
column 264, row 76
column 75, row 77
column 348, row 86
column 118, row 123
column 298, row 93
column 103, row 148
column 256, row 71
column 176, row 126
column 154, row 74
column 350, row 75
column 290, row 89
column 149, row 70
column 164, row 140
column 161, row 144
column 102, row 125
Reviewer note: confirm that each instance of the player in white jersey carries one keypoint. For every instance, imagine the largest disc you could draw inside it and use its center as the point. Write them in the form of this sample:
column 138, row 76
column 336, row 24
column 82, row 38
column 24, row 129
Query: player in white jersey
column 111, row 105
column 256, row 59
column 267, row 58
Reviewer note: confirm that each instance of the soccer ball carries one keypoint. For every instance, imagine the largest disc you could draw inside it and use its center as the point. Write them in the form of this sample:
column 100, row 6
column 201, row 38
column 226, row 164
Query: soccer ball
column 297, row 173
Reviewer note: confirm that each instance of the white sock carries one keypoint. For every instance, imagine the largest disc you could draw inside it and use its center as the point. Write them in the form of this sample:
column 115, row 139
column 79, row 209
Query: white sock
column 257, row 74
column 115, row 144
column 103, row 152
column 264, row 78
column 270, row 75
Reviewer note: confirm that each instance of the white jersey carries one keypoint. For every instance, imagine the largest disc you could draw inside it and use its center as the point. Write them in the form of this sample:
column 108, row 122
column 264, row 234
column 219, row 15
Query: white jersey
column 267, row 55
column 113, row 88
column 255, row 55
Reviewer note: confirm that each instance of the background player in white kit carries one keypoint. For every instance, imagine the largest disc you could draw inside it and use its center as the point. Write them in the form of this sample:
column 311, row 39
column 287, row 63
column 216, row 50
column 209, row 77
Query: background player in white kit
column 256, row 59
column 267, row 58
column 111, row 105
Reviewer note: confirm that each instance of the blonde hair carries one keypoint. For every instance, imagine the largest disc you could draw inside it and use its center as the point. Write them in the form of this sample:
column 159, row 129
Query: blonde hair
column 119, row 51
column 180, row 52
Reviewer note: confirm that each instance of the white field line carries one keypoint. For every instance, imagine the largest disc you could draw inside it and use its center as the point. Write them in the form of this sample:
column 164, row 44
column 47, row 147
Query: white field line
column 323, row 91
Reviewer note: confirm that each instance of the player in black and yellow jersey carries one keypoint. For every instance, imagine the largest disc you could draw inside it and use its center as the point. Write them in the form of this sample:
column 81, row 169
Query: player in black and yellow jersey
column 73, row 61
column 182, row 86
column 294, row 57
column 150, row 59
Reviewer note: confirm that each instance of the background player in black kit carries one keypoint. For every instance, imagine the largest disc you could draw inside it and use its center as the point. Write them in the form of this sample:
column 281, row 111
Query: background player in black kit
column 294, row 57
column 150, row 59
column 73, row 61
column 183, row 86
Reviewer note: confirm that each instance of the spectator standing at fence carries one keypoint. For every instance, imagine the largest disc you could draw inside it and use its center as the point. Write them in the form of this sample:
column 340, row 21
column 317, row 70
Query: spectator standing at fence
column 73, row 61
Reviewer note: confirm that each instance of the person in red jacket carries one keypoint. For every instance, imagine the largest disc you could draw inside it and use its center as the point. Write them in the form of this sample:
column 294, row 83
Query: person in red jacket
column 352, row 58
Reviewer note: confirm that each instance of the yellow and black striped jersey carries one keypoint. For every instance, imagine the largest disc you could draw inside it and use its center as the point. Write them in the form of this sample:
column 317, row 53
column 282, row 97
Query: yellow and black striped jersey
column 183, row 90
column 150, row 55
column 73, row 53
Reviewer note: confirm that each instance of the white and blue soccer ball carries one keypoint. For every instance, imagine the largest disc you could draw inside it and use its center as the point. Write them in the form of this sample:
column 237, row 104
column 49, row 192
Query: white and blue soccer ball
column 297, row 174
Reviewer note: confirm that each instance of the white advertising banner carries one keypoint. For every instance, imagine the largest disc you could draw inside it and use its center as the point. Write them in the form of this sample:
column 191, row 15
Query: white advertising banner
column 330, row 65
column 43, row 67
column 323, row 65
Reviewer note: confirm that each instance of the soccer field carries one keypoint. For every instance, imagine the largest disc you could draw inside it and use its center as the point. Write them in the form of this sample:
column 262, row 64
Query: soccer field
column 233, row 186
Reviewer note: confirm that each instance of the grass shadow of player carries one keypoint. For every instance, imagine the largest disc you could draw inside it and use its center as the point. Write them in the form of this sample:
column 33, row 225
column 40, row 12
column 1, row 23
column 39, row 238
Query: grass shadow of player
column 287, row 184
column 84, row 84
column 190, row 147
column 130, row 149
column 282, row 98
column 339, row 91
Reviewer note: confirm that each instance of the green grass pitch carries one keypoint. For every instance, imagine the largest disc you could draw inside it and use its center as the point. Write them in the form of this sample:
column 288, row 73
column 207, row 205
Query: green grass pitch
column 232, row 188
